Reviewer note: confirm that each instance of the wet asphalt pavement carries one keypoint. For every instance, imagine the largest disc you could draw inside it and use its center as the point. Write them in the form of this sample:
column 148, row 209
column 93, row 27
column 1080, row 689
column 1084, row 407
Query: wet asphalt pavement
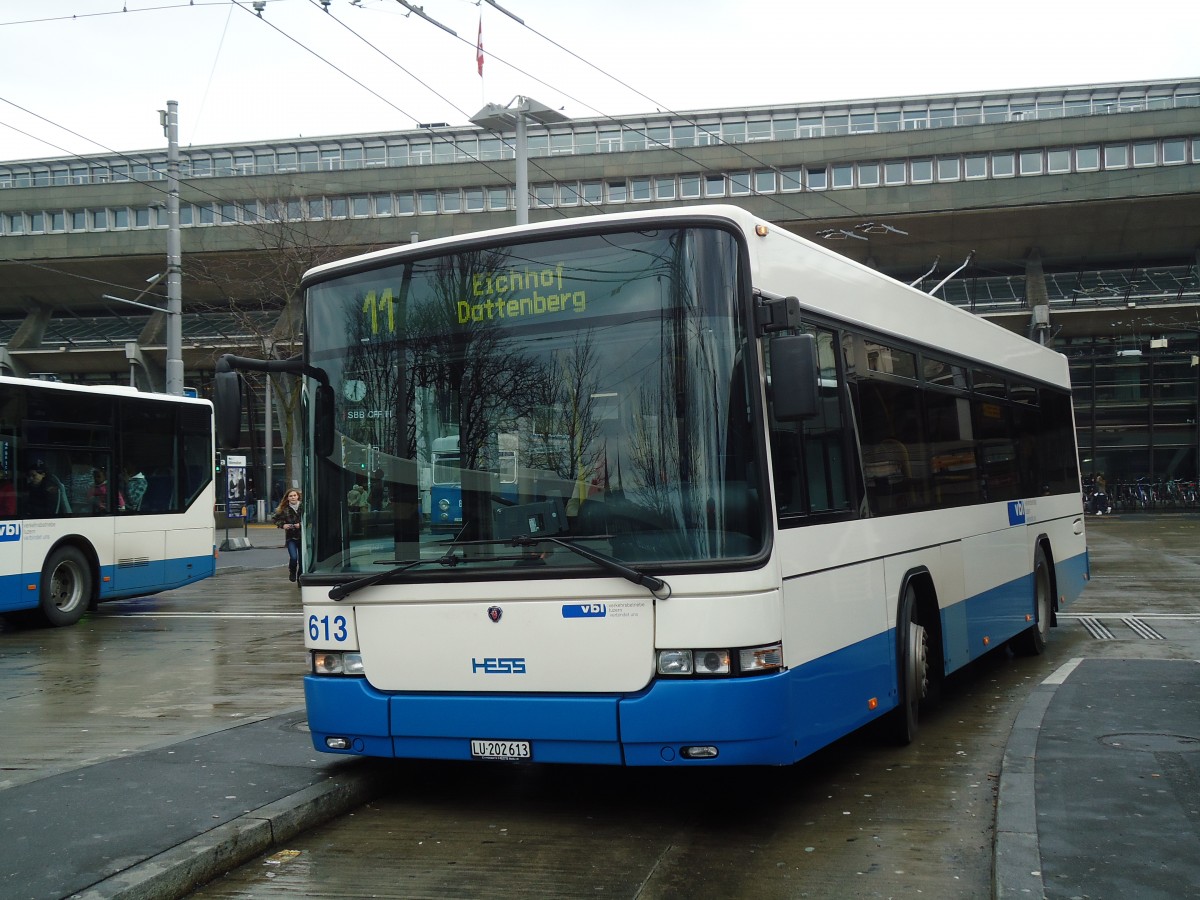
column 118, row 781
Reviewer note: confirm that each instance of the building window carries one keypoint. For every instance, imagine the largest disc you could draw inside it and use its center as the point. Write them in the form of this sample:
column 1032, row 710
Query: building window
column 1058, row 161
column 816, row 178
column 79, row 220
column 1003, row 165
column 790, row 180
column 206, row 213
column 37, row 222
column 1145, row 153
column 473, row 199
column 427, row 202
column 894, row 172
column 15, row 223
column 714, row 185
column 316, row 209
column 1031, row 162
column 360, row 206
column 764, row 181
column 58, row 220
column 664, row 188
column 617, row 191
column 1116, row 156
column 862, row 123
column 975, row 167
column 947, row 168
column 639, row 190
column 99, row 219
column 843, row 176
column 141, row 217
column 683, row 135
column 339, row 207
column 568, row 193
column 733, row 132
column 1087, row 159
column 543, row 195
column 593, row 192
column 185, row 214
column 922, row 171
column 784, row 128
column 868, row 174
column 383, row 204
column 120, row 217
column 405, row 204
column 1174, row 152
column 497, row 198
column 451, row 199
column 739, row 184
column 689, row 186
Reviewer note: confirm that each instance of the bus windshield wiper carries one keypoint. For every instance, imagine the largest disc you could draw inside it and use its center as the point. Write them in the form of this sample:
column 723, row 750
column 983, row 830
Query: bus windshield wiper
column 342, row 591
column 656, row 586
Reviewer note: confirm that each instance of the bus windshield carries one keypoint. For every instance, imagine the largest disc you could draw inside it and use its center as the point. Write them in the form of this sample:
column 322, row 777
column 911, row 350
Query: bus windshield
column 587, row 389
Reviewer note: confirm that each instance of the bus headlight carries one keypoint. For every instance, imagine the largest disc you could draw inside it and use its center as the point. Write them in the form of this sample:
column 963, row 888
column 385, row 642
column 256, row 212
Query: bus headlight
column 336, row 662
column 749, row 661
column 444, row 504
column 674, row 662
column 693, row 662
column 711, row 662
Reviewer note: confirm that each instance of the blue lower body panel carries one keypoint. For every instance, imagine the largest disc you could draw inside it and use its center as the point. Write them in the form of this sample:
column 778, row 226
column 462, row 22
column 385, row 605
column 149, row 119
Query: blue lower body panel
column 766, row 720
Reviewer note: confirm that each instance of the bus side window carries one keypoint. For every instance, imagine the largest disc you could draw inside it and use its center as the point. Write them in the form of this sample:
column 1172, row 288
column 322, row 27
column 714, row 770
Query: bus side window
column 808, row 457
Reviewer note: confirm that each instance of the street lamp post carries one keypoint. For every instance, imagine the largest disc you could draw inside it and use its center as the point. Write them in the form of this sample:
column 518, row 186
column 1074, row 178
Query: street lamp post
column 514, row 117
column 170, row 122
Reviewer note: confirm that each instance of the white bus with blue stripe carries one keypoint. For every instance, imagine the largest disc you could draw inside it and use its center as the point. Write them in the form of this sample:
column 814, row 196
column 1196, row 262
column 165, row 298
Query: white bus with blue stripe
column 765, row 495
column 105, row 493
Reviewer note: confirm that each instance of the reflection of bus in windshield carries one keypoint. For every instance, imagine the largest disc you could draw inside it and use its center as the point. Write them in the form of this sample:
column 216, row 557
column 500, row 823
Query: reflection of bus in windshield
column 105, row 493
column 752, row 502
column 445, row 491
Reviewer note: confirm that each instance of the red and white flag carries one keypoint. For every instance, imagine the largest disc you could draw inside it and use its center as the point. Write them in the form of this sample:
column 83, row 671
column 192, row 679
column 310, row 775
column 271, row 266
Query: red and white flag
column 479, row 48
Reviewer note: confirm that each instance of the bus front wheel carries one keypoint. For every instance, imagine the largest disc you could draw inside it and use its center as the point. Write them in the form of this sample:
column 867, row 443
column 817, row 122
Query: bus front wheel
column 912, row 645
column 66, row 587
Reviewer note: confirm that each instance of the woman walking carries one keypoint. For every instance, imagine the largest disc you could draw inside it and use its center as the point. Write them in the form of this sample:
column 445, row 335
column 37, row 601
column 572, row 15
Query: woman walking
column 287, row 517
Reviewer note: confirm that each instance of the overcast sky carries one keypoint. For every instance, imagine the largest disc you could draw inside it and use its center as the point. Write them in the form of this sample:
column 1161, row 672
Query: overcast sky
column 84, row 66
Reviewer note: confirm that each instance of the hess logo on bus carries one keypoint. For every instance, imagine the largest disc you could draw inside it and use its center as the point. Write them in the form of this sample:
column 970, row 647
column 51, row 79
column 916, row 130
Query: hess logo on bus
column 498, row 665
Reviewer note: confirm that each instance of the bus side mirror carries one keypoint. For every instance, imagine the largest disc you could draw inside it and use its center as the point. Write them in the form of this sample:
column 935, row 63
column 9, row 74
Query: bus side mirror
column 323, row 422
column 227, row 396
column 795, row 377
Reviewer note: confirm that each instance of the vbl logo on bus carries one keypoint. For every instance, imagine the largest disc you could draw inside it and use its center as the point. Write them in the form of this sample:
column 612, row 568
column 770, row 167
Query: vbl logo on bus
column 10, row 531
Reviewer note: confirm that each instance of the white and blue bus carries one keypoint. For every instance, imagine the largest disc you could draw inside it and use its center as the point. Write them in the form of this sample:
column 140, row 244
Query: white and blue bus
column 105, row 493
column 765, row 495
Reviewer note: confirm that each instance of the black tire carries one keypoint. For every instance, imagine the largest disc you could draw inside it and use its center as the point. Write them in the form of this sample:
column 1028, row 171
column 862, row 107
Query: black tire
column 912, row 669
column 1032, row 641
column 66, row 587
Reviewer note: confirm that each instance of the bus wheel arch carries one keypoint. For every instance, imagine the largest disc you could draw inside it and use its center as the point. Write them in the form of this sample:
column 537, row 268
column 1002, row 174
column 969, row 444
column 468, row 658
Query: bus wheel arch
column 918, row 653
column 1032, row 641
column 68, row 584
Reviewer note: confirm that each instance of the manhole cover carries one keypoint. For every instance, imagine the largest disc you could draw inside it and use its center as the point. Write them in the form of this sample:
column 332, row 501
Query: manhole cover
column 1151, row 742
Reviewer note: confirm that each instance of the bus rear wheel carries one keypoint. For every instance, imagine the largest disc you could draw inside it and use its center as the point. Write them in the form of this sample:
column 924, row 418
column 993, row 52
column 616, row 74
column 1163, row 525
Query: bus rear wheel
column 66, row 587
column 1032, row 641
column 912, row 640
